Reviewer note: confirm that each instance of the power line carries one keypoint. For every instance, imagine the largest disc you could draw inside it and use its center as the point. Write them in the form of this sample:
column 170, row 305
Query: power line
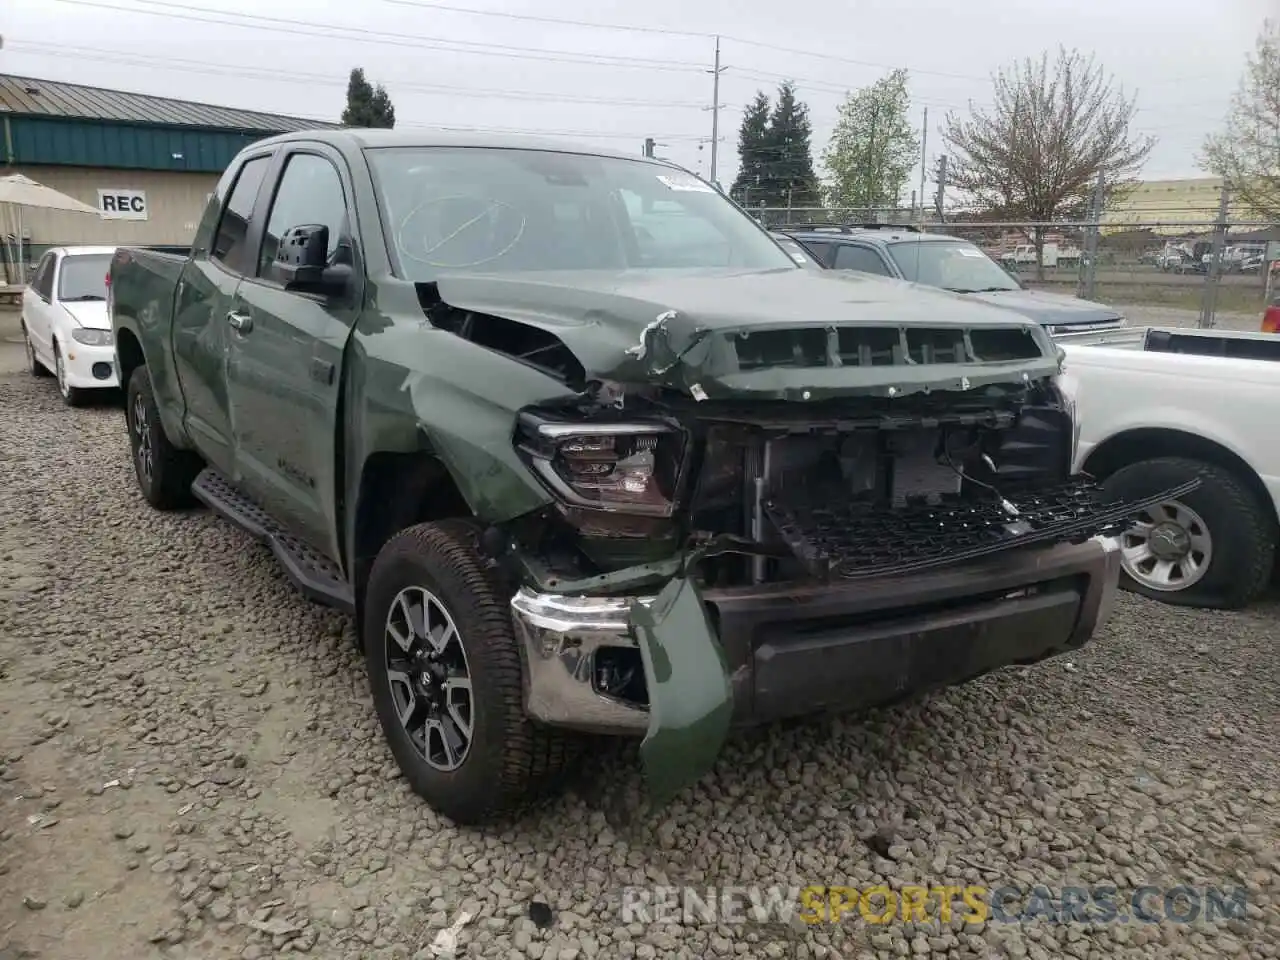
column 538, row 18
column 630, row 28
column 361, row 35
column 60, row 51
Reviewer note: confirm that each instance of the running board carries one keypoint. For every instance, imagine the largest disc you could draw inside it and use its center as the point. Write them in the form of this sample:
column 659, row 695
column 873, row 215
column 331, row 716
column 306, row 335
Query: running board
column 314, row 574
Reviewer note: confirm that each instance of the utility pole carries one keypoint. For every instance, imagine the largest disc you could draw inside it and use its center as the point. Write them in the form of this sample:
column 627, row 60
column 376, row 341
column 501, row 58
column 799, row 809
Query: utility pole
column 924, row 143
column 942, row 187
column 715, row 110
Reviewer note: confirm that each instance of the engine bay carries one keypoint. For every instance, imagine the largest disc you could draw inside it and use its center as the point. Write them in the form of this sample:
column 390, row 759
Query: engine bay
column 833, row 492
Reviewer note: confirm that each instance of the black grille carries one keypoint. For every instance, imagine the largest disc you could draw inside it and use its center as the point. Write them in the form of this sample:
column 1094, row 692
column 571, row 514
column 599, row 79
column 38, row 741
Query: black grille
column 848, row 539
column 882, row 346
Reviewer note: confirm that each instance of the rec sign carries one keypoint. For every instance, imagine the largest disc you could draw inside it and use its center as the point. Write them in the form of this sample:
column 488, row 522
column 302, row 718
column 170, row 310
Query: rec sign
column 122, row 204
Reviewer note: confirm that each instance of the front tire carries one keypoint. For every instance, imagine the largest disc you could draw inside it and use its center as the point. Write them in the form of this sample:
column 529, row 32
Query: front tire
column 71, row 396
column 445, row 672
column 1214, row 547
column 165, row 473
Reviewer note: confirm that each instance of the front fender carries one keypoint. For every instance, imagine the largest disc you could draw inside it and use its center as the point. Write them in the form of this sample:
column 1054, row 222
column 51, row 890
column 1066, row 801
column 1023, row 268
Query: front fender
column 473, row 437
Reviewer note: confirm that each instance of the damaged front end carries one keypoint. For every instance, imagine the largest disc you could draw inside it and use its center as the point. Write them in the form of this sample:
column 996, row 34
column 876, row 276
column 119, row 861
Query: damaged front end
column 763, row 520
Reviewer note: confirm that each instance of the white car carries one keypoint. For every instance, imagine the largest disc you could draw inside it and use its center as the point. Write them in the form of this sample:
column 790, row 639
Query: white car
column 65, row 322
column 1161, row 406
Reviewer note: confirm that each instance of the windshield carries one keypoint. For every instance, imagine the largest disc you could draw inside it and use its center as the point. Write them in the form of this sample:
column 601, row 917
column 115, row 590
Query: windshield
column 84, row 277
column 951, row 264
column 499, row 211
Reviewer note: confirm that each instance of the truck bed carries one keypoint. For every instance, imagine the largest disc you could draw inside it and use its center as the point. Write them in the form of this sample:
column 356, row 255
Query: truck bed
column 143, row 277
column 1231, row 344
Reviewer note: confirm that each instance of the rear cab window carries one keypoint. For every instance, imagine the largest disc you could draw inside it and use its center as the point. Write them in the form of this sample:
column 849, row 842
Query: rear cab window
column 229, row 239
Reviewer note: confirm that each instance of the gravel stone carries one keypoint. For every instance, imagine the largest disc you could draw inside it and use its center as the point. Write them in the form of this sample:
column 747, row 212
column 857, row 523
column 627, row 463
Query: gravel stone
column 166, row 657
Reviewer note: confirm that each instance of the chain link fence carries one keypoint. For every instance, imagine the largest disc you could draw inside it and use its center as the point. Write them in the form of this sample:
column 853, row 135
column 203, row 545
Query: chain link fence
column 1200, row 271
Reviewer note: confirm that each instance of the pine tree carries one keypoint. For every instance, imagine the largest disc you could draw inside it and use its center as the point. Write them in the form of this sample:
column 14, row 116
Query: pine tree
column 367, row 106
column 789, row 179
column 751, row 153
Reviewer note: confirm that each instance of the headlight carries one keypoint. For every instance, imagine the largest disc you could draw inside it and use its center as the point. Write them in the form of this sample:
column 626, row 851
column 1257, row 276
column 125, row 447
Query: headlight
column 92, row 338
column 632, row 468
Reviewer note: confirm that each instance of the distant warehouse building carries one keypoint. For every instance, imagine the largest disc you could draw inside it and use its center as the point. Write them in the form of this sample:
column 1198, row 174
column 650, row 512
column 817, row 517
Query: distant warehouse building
column 147, row 163
column 1173, row 208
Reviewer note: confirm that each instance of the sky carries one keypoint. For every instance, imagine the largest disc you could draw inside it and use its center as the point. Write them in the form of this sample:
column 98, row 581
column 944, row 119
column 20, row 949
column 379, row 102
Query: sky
column 501, row 66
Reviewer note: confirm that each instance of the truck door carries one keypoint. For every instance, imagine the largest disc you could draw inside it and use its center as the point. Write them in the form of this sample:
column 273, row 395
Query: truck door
column 285, row 355
column 204, row 297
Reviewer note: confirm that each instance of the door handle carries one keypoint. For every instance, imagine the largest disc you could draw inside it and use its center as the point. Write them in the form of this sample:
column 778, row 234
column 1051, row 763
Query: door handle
column 240, row 321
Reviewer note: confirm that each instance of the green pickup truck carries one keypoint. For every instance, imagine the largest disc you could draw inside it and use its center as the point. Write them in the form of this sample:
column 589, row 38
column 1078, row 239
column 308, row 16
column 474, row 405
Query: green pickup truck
column 585, row 452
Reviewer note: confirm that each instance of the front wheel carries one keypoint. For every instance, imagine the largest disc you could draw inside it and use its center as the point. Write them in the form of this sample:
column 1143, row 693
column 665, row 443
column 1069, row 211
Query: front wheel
column 165, row 473
column 445, row 673
column 71, row 396
column 1214, row 547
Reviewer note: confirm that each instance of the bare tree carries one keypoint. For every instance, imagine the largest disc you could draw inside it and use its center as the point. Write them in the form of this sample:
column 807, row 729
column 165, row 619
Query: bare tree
column 1247, row 153
column 1036, row 153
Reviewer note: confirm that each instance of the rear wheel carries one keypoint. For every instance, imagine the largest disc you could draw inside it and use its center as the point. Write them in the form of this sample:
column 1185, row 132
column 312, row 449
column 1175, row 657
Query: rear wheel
column 445, row 672
column 34, row 366
column 165, row 473
column 1214, row 547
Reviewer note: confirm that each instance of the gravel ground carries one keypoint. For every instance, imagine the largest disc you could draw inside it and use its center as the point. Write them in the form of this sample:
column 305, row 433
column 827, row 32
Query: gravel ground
column 189, row 768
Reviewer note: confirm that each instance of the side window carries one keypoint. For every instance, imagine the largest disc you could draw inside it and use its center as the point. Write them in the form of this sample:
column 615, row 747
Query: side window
column 310, row 192
column 42, row 283
column 229, row 239
column 852, row 257
column 821, row 251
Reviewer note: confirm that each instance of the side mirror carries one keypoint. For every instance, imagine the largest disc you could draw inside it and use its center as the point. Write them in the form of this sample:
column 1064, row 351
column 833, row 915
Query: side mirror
column 302, row 262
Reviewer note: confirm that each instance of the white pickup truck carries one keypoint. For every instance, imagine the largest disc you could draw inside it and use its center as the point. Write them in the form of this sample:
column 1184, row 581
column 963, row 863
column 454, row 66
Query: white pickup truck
column 1158, row 406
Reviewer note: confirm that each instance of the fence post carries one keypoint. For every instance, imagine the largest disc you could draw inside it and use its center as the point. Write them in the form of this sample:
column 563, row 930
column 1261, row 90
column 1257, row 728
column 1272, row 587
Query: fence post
column 1087, row 287
column 1209, row 299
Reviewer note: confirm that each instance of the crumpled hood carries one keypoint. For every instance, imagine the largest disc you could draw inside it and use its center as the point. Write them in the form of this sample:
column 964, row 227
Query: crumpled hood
column 89, row 313
column 1050, row 309
column 684, row 329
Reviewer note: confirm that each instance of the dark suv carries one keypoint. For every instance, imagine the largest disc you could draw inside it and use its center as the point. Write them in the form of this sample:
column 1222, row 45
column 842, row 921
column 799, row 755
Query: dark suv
column 904, row 252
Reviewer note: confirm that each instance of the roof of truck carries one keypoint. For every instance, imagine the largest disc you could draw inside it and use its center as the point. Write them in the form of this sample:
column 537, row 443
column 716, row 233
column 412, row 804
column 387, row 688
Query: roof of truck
column 362, row 137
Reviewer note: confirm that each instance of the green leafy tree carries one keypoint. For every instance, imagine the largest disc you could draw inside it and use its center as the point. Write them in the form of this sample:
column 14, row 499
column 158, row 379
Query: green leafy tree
column 367, row 105
column 751, row 152
column 1037, row 152
column 1246, row 154
column 873, row 147
column 788, row 179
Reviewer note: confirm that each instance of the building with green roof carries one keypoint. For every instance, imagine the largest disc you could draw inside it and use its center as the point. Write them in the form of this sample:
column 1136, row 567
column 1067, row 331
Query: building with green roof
column 147, row 163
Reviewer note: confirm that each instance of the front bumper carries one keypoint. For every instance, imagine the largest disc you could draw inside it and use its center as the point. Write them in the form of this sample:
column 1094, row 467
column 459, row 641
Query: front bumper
column 90, row 367
column 803, row 648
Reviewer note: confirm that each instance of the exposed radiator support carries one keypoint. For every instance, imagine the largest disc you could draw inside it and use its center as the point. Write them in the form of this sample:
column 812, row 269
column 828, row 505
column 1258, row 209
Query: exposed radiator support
column 761, row 460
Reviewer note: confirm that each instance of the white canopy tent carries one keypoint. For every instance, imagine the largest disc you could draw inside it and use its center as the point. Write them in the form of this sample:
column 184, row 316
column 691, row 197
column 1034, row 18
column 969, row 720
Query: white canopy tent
column 16, row 192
